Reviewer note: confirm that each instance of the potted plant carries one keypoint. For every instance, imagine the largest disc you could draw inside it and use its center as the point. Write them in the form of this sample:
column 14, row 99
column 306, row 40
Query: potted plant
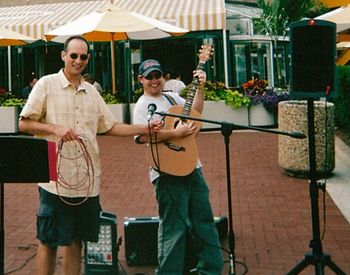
column 10, row 107
column 223, row 104
column 263, row 101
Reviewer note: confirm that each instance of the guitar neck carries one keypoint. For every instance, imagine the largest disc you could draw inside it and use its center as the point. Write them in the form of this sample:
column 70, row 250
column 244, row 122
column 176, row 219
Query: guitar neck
column 192, row 91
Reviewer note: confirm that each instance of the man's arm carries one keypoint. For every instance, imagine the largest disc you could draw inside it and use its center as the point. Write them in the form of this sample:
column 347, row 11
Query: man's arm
column 122, row 129
column 181, row 130
column 33, row 127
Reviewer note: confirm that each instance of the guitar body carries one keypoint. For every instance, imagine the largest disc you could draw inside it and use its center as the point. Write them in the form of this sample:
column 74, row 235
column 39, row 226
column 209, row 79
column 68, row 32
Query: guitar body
column 178, row 156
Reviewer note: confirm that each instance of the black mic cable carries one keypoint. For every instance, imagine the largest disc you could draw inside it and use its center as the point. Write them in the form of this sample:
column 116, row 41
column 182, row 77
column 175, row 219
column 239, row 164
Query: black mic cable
column 155, row 155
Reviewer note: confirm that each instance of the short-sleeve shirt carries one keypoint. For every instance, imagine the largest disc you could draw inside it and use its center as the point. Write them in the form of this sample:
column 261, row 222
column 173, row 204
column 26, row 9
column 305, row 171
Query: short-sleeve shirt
column 54, row 100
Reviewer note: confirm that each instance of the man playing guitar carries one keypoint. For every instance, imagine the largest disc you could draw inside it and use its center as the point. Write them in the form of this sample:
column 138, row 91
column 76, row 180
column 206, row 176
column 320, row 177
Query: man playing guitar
column 183, row 198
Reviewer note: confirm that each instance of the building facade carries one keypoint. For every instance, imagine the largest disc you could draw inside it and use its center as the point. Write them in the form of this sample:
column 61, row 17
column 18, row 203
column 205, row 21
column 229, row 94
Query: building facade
column 228, row 26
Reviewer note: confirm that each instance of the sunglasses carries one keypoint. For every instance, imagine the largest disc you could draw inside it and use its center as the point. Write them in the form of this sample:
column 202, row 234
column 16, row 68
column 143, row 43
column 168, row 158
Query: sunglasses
column 82, row 57
column 153, row 75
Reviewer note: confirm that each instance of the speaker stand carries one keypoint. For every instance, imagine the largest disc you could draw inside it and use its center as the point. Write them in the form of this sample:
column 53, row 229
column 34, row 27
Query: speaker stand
column 316, row 258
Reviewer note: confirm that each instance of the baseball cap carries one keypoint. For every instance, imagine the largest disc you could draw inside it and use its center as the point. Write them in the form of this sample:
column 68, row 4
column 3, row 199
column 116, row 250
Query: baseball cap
column 148, row 66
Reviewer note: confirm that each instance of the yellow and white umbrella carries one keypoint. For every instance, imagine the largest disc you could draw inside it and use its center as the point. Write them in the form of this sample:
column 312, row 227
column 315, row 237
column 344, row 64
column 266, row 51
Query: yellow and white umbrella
column 113, row 23
column 11, row 38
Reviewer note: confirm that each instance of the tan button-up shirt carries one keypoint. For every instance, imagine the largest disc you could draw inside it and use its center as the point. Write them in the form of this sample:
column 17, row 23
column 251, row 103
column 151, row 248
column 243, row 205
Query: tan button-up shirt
column 54, row 100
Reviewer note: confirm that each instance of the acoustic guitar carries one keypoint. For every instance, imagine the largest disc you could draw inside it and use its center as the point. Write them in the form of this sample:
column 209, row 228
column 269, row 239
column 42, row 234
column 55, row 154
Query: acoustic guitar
column 179, row 156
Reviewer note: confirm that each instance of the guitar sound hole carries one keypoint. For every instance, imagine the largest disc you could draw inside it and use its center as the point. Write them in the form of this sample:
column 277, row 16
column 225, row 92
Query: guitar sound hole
column 177, row 122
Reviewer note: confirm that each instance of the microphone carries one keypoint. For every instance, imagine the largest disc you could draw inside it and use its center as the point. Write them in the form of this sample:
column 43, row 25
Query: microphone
column 151, row 109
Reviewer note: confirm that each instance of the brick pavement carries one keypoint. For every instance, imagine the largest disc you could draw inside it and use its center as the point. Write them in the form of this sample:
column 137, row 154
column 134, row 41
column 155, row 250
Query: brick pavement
column 271, row 211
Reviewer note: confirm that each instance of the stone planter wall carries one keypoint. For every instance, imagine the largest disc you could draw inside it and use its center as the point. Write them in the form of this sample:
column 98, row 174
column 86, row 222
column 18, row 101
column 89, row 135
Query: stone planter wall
column 294, row 153
column 117, row 111
column 219, row 111
column 129, row 112
column 8, row 120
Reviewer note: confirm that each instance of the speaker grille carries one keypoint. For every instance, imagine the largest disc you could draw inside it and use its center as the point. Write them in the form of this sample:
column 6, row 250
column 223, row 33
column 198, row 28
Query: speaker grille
column 312, row 59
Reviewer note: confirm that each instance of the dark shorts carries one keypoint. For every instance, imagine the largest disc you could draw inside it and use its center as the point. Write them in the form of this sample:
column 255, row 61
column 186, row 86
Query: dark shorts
column 58, row 223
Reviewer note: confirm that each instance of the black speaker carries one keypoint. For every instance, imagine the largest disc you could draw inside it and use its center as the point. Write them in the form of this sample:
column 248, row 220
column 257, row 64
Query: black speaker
column 140, row 239
column 141, row 235
column 313, row 53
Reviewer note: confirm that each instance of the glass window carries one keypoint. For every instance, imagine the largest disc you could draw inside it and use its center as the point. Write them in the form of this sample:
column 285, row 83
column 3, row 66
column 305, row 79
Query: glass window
column 240, row 61
column 256, row 59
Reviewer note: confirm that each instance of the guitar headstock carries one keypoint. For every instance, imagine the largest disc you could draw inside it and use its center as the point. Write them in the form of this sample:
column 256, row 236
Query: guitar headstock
column 205, row 53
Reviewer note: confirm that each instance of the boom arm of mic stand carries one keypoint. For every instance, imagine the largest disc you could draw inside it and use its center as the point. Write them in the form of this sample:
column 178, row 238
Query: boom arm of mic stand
column 232, row 126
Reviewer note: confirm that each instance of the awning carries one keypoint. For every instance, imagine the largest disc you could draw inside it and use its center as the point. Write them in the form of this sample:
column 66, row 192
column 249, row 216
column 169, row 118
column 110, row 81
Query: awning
column 194, row 15
column 35, row 20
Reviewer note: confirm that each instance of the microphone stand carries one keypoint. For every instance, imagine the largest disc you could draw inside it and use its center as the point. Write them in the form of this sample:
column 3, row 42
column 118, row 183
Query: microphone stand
column 226, row 131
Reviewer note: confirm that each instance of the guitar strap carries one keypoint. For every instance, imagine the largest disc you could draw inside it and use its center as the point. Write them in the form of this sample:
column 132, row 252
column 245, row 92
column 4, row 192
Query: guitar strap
column 170, row 99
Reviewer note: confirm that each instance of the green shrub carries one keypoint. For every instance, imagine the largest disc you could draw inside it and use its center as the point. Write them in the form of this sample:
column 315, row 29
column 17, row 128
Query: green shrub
column 215, row 91
column 342, row 100
column 137, row 94
column 110, row 98
column 9, row 99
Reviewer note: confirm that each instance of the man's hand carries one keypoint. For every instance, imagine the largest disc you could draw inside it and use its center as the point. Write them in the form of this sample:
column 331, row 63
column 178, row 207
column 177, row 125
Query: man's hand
column 156, row 125
column 66, row 134
column 184, row 129
column 202, row 77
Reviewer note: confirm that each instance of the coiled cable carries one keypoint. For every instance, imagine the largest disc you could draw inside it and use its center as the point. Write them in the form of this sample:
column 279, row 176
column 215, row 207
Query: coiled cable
column 87, row 181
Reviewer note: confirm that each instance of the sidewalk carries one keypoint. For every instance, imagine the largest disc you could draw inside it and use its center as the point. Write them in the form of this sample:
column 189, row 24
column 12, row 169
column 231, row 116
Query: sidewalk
column 338, row 186
column 271, row 211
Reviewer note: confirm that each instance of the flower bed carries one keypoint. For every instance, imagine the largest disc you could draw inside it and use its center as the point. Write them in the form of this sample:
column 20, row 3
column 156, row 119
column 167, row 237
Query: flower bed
column 259, row 93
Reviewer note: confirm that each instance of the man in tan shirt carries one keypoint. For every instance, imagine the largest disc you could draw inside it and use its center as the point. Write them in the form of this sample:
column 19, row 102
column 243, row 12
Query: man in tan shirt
column 62, row 107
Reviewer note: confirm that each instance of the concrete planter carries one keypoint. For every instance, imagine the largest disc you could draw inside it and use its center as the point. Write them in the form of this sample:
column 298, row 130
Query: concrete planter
column 259, row 116
column 294, row 153
column 117, row 111
column 128, row 112
column 9, row 120
column 219, row 111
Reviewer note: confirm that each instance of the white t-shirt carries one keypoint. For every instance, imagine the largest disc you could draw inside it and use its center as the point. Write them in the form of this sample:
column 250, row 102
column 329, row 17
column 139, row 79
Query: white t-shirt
column 162, row 103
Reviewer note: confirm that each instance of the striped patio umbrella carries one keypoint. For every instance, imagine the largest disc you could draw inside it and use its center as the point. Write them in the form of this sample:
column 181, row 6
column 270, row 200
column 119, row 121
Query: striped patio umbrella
column 111, row 24
column 11, row 38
